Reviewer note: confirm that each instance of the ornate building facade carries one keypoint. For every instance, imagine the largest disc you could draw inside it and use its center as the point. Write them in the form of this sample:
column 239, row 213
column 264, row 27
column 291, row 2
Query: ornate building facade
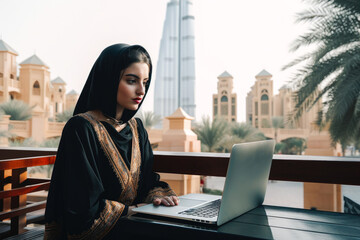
column 262, row 105
column 225, row 101
column 34, row 87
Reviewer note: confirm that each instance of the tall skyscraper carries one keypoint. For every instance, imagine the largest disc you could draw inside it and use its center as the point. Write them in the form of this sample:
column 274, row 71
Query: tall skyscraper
column 175, row 74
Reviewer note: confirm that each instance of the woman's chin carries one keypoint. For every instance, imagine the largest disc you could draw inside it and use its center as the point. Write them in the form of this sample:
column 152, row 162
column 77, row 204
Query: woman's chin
column 133, row 108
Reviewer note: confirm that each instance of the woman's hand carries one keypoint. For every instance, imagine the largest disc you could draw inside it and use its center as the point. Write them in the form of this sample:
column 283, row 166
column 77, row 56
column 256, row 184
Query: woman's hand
column 166, row 201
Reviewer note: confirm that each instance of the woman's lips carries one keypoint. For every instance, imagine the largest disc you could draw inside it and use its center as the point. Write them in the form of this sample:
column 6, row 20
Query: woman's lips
column 137, row 100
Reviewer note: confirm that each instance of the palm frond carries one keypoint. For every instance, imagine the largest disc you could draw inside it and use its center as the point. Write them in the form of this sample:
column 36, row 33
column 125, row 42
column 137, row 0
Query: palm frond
column 148, row 118
column 312, row 14
column 333, row 68
column 18, row 110
column 297, row 61
column 65, row 115
column 211, row 133
column 357, row 107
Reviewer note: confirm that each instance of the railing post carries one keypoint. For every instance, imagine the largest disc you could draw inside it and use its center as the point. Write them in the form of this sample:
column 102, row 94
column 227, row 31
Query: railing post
column 5, row 184
column 320, row 196
column 18, row 223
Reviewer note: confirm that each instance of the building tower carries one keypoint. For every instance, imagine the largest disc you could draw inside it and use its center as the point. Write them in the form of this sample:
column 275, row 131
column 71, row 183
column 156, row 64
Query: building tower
column 262, row 105
column 57, row 96
column 35, row 83
column 71, row 99
column 225, row 102
column 175, row 74
column 9, row 84
column 259, row 101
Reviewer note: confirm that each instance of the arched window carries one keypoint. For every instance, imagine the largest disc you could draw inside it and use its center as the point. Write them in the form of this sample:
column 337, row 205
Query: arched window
column 224, row 99
column 224, row 110
column 215, row 110
column 11, row 76
column 36, row 88
column 264, row 97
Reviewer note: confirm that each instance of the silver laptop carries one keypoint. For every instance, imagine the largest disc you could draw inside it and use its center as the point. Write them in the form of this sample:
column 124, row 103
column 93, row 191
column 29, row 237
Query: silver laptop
column 245, row 187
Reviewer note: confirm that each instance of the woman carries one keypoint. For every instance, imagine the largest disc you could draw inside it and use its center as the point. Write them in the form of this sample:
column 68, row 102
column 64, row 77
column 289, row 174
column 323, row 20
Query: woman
column 104, row 162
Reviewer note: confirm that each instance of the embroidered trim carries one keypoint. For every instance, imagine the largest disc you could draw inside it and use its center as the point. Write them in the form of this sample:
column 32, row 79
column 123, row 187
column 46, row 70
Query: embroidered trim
column 159, row 192
column 135, row 156
column 128, row 179
column 109, row 149
column 102, row 225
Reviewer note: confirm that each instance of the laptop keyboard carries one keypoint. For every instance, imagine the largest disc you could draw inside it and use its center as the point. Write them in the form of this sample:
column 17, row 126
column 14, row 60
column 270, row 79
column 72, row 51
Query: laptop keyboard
column 207, row 211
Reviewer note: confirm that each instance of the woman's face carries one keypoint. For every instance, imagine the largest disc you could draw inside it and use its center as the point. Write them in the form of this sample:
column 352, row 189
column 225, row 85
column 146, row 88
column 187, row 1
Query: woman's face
column 131, row 88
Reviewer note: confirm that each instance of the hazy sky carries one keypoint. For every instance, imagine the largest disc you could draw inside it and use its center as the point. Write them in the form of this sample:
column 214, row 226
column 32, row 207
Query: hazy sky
column 241, row 37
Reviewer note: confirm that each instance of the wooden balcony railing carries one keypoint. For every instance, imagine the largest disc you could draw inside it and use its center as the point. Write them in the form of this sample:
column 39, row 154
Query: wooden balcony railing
column 15, row 161
column 298, row 168
column 14, row 186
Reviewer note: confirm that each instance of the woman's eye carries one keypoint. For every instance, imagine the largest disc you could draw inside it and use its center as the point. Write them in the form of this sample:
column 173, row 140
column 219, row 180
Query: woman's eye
column 144, row 83
column 131, row 81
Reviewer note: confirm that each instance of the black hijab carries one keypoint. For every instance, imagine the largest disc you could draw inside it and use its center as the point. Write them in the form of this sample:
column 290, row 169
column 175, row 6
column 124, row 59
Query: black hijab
column 100, row 90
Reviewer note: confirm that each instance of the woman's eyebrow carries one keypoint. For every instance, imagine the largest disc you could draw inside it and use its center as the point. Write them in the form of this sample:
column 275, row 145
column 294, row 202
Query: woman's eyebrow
column 132, row 75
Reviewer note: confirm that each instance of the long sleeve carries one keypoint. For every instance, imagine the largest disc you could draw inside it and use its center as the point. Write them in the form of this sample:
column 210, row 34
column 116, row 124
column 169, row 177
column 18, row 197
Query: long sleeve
column 76, row 195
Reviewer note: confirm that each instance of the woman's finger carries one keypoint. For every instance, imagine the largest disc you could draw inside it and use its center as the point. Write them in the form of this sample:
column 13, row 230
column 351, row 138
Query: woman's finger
column 165, row 202
column 170, row 201
column 157, row 201
column 175, row 200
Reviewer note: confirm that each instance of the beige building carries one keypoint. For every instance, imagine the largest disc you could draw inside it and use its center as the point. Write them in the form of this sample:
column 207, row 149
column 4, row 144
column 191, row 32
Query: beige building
column 180, row 138
column 34, row 87
column 225, row 101
column 262, row 105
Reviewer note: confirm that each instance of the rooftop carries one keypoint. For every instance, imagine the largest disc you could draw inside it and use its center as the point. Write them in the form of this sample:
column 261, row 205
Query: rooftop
column 263, row 73
column 224, row 74
column 4, row 47
column 58, row 80
column 35, row 60
column 72, row 92
column 180, row 113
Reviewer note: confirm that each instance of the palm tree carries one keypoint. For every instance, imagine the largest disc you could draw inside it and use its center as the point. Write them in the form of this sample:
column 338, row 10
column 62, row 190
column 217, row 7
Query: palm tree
column 65, row 115
column 18, row 110
column 239, row 133
column 148, row 118
column 246, row 133
column 227, row 143
column 277, row 122
column 332, row 69
column 279, row 147
column 294, row 146
column 211, row 134
column 50, row 143
column 4, row 133
column 28, row 142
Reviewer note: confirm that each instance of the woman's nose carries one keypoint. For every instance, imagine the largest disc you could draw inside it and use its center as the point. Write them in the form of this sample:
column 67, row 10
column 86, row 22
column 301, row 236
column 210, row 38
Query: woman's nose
column 141, row 89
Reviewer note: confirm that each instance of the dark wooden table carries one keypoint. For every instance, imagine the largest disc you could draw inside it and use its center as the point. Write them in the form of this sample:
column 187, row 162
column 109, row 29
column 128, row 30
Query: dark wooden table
column 265, row 222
